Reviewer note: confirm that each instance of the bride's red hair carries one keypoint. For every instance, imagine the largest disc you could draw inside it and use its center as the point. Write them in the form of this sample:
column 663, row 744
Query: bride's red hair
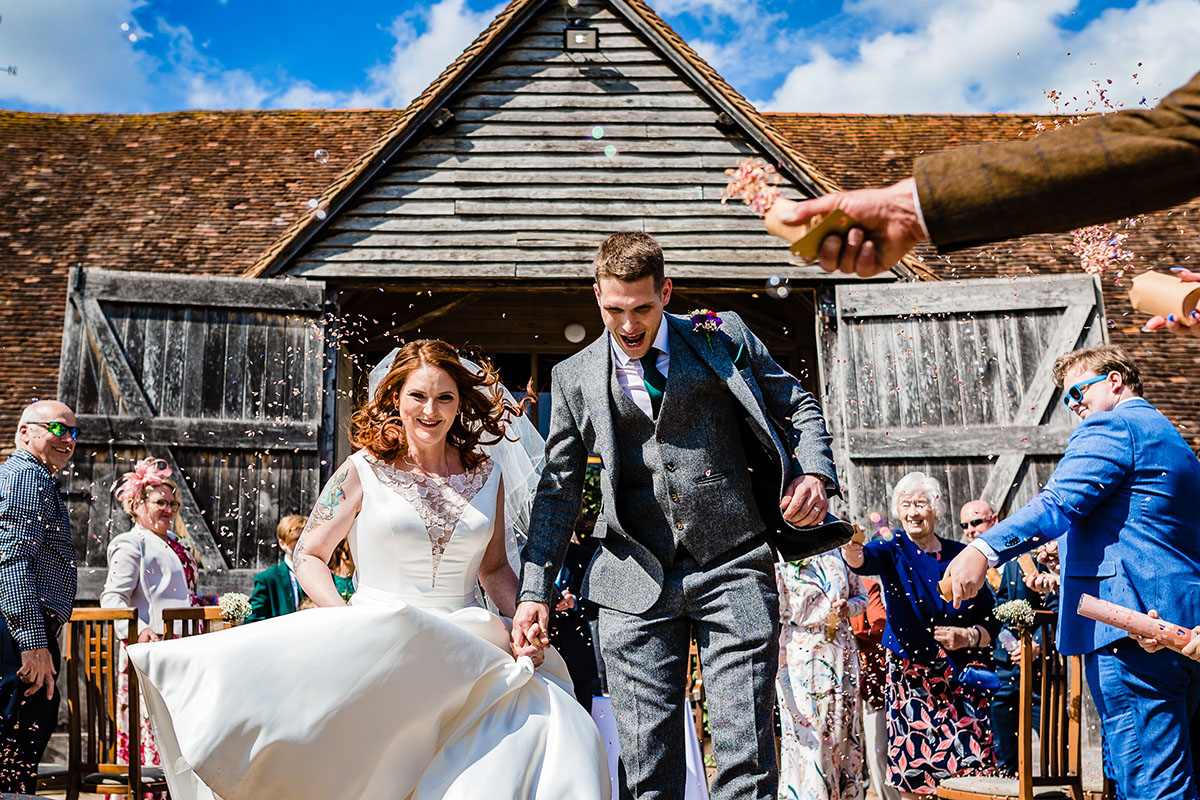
column 483, row 411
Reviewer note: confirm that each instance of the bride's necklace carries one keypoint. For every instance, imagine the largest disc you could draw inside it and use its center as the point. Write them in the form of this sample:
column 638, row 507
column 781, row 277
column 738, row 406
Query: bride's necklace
column 441, row 472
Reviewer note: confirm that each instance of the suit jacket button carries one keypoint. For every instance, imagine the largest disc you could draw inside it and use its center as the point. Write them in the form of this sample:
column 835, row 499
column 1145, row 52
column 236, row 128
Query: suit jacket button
column 674, row 498
column 658, row 439
column 670, row 466
column 679, row 525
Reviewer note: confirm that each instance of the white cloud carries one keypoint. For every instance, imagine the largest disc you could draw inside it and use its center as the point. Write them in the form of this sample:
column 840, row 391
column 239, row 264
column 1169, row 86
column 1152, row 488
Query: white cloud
column 73, row 56
column 997, row 55
column 427, row 41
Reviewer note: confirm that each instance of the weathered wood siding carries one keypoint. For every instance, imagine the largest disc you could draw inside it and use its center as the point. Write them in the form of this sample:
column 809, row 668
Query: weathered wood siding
column 518, row 184
column 953, row 379
column 220, row 377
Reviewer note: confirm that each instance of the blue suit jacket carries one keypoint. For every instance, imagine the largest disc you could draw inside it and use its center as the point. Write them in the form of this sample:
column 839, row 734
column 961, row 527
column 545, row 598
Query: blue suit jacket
column 1127, row 497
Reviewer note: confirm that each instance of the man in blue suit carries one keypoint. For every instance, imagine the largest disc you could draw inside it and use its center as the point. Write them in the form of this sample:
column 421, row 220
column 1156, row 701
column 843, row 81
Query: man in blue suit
column 1125, row 499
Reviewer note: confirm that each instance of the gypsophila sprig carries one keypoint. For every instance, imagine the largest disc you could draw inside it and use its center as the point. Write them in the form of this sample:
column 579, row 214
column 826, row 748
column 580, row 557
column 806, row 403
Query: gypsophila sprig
column 235, row 607
column 1016, row 615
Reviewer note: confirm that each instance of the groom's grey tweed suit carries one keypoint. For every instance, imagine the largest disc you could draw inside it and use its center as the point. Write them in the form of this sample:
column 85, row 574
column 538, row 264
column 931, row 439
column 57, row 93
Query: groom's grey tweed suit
column 681, row 543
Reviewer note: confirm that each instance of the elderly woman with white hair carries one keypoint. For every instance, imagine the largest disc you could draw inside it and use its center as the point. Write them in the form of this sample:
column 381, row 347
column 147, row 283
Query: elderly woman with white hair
column 937, row 724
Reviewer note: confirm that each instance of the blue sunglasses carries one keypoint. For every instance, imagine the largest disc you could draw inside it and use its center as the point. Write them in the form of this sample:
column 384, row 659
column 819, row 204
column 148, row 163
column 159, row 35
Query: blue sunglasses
column 1076, row 392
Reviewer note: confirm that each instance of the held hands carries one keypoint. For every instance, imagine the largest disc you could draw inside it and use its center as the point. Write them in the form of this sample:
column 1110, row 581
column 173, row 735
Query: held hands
column 805, row 502
column 890, row 228
column 37, row 669
column 531, row 629
column 966, row 573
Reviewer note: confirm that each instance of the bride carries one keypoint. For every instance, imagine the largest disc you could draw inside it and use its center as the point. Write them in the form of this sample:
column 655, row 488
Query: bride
column 412, row 691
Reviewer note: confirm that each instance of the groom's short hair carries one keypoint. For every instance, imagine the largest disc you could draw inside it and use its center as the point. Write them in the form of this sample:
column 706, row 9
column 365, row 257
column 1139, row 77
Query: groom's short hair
column 630, row 256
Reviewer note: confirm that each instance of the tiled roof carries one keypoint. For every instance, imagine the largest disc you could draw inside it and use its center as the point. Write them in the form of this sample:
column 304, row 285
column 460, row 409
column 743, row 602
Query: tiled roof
column 184, row 192
column 859, row 150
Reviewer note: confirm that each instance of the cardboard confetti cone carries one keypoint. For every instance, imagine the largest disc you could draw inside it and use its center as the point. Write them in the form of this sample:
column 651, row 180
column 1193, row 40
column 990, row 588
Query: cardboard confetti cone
column 1172, row 635
column 1160, row 294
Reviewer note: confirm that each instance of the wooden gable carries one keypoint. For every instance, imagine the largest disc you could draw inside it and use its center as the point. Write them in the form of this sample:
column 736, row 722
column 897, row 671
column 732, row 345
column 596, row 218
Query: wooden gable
column 542, row 153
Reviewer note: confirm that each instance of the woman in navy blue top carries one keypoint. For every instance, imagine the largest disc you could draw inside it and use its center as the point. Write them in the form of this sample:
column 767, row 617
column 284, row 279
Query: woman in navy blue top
column 936, row 725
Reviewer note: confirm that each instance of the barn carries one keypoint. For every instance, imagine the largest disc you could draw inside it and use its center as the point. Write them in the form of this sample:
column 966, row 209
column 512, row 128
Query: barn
column 211, row 287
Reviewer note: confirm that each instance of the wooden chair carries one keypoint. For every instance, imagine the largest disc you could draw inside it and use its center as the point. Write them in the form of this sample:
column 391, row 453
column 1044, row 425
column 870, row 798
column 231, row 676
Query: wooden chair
column 93, row 652
column 191, row 621
column 1060, row 680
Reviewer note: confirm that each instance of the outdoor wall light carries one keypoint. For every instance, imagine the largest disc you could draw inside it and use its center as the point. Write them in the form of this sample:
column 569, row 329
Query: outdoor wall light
column 578, row 36
column 574, row 333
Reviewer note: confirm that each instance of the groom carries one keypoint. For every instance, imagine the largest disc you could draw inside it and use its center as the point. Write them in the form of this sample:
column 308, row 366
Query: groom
column 663, row 401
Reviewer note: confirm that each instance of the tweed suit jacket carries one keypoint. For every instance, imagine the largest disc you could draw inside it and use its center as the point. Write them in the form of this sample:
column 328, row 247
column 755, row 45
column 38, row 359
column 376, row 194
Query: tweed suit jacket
column 1104, row 168
column 624, row 574
column 1123, row 499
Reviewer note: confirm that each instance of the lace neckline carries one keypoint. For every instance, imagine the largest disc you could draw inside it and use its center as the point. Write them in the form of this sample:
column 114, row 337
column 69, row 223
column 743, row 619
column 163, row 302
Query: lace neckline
column 440, row 501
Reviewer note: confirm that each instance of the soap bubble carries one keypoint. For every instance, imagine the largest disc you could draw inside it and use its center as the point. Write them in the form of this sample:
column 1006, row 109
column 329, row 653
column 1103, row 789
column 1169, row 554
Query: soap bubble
column 777, row 287
column 321, row 155
column 598, row 132
column 610, row 151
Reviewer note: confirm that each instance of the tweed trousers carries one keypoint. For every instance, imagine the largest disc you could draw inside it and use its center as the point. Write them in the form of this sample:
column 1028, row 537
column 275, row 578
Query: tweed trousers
column 733, row 609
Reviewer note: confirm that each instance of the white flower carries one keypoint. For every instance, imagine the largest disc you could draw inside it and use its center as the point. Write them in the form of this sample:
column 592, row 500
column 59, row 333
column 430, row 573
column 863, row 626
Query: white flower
column 235, row 607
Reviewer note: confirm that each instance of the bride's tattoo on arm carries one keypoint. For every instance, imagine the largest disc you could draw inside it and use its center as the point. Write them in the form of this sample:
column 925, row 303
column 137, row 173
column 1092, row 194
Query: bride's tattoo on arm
column 331, row 497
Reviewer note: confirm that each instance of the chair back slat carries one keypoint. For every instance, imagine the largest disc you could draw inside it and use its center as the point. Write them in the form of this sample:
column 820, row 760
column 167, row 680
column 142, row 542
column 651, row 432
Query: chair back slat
column 179, row 622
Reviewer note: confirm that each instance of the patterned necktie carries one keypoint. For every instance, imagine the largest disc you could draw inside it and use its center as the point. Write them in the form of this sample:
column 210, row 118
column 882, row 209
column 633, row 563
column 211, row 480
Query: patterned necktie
column 655, row 381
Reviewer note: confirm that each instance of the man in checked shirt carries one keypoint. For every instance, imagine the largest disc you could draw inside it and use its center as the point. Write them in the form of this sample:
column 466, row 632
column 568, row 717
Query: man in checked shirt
column 37, row 588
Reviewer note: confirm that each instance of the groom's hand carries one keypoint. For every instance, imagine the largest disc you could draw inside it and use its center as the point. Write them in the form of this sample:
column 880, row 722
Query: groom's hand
column 531, row 625
column 805, row 502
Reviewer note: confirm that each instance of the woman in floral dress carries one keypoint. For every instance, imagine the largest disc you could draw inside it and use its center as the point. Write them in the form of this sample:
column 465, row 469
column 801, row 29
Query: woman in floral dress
column 149, row 569
column 817, row 684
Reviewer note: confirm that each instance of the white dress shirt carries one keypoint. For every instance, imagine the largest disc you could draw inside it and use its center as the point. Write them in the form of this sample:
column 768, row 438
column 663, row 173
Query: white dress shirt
column 630, row 375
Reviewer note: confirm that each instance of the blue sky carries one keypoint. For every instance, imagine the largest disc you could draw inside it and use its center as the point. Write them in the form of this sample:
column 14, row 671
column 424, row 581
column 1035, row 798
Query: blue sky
column 875, row 56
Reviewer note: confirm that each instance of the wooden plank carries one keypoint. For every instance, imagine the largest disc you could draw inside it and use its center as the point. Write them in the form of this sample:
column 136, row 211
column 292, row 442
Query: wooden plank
column 377, row 269
column 552, row 208
column 991, row 295
column 203, row 290
column 478, row 173
column 573, row 86
column 531, row 191
column 956, row 442
column 414, row 245
column 70, row 357
column 255, row 354
column 555, row 42
column 689, row 116
column 237, row 434
column 525, row 53
column 153, row 355
column 561, row 72
column 237, row 334
column 175, row 342
column 194, row 323
column 603, row 103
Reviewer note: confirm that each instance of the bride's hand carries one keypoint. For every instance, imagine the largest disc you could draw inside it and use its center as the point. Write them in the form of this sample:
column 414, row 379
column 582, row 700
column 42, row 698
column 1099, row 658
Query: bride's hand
column 536, row 654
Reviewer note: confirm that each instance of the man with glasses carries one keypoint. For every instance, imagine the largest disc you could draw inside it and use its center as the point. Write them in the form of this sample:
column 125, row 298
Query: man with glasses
column 1125, row 500
column 37, row 588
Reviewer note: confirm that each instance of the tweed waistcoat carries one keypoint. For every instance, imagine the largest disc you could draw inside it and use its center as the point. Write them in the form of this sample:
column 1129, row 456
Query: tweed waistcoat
column 659, row 506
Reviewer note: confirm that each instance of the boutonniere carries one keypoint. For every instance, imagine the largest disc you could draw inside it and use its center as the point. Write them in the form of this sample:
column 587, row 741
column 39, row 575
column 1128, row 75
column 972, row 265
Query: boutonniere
column 706, row 321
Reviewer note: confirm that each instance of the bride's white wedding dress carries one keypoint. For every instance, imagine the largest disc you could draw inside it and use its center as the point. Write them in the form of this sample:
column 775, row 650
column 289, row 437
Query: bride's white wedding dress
column 411, row 692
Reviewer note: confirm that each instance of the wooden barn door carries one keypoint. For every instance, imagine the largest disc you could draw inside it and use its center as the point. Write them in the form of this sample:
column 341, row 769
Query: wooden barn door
column 220, row 377
column 953, row 379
